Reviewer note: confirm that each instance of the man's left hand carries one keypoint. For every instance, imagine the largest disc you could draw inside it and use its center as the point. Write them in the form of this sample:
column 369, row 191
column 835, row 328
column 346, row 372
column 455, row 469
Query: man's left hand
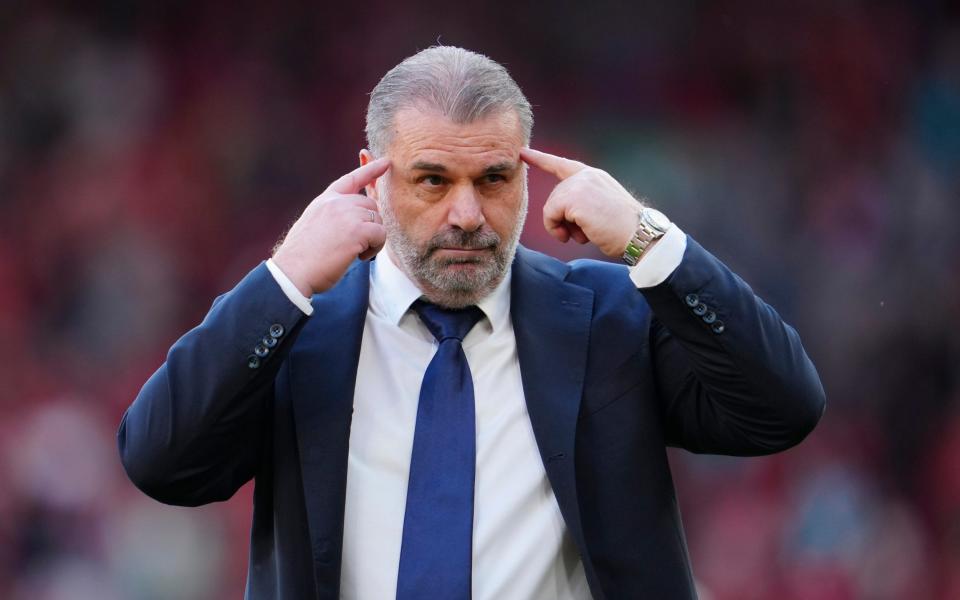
column 588, row 205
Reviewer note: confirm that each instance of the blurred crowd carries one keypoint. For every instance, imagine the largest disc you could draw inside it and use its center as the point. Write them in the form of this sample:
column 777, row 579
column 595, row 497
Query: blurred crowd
column 151, row 154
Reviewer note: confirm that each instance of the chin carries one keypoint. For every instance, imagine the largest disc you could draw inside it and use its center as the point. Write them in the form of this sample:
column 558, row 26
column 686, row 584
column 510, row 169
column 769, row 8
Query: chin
column 461, row 284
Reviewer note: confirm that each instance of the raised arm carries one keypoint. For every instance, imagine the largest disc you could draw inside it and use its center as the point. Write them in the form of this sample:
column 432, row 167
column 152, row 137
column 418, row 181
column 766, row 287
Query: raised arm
column 195, row 431
column 732, row 377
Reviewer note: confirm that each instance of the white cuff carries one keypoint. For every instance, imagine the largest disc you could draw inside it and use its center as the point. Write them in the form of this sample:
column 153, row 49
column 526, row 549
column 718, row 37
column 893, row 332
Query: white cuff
column 657, row 263
column 302, row 302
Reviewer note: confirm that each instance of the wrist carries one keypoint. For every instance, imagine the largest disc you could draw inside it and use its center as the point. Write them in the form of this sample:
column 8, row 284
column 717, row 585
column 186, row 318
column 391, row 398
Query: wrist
column 660, row 260
column 290, row 268
column 649, row 248
column 651, row 226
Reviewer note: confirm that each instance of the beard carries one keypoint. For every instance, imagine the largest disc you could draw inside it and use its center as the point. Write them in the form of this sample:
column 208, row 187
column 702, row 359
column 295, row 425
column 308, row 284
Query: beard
column 447, row 281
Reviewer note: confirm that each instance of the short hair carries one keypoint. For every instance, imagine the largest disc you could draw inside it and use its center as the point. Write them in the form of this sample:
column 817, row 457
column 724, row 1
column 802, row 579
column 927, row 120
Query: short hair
column 461, row 85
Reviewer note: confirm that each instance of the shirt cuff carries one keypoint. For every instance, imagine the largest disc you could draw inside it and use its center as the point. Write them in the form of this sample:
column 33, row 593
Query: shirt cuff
column 657, row 263
column 302, row 302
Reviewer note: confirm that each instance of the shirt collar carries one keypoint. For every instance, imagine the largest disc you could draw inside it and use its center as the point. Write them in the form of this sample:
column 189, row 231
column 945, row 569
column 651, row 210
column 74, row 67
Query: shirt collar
column 392, row 293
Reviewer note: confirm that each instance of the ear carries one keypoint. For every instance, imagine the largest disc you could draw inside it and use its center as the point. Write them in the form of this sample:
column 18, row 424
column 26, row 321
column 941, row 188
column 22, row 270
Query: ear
column 371, row 188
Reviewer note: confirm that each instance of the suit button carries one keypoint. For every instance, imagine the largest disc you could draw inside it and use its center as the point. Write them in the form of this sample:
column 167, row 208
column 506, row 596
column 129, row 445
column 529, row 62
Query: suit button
column 276, row 330
column 253, row 361
column 261, row 350
column 700, row 309
column 717, row 327
column 710, row 317
column 692, row 300
column 269, row 341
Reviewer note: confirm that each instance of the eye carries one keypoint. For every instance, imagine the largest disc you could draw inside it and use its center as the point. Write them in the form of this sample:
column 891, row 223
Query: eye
column 431, row 180
column 493, row 178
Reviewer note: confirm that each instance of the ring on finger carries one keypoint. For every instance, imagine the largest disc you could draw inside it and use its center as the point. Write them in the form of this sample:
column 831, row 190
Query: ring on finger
column 373, row 216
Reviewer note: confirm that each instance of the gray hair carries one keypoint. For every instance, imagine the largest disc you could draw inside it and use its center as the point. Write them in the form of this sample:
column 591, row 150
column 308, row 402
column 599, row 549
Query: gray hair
column 462, row 85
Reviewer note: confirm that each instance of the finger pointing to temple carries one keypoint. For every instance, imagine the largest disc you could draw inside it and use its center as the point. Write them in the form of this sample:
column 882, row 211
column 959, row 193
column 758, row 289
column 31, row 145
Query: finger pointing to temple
column 558, row 166
column 355, row 180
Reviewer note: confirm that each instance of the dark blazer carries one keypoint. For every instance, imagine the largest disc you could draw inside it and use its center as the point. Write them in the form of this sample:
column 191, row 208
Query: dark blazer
column 611, row 376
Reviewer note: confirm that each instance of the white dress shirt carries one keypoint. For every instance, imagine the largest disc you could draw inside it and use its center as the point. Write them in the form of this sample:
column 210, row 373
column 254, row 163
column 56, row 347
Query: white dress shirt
column 521, row 549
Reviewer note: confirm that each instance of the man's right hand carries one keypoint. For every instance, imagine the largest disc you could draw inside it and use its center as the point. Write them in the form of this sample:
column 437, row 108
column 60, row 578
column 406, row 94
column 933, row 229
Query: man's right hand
column 336, row 228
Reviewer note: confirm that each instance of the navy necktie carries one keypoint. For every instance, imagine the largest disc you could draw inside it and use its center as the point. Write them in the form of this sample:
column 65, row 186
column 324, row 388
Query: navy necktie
column 436, row 554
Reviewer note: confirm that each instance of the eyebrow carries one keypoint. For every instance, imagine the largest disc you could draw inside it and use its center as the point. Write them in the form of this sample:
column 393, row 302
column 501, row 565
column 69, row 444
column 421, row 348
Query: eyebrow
column 499, row 168
column 438, row 168
column 428, row 166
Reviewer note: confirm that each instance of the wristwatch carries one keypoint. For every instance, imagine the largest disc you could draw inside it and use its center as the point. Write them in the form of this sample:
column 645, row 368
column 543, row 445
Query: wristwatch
column 651, row 226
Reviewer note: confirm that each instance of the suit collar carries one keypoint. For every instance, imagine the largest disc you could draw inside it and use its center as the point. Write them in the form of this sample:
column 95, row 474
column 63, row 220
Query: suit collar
column 323, row 372
column 551, row 321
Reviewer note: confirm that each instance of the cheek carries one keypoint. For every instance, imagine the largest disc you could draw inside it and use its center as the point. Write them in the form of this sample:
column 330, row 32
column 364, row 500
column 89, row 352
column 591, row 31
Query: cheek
column 503, row 212
column 418, row 219
column 425, row 195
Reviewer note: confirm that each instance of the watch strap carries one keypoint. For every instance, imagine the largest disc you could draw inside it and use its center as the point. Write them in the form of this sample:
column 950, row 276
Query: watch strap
column 644, row 235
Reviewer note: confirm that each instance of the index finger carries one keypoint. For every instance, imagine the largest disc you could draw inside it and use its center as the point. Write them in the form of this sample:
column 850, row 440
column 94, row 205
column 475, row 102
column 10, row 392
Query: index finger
column 556, row 165
column 355, row 180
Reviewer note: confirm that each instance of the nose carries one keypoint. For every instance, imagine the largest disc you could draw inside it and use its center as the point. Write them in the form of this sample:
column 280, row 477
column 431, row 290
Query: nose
column 465, row 212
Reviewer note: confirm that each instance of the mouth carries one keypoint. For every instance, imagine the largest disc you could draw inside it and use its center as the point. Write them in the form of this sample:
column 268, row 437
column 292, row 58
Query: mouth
column 463, row 253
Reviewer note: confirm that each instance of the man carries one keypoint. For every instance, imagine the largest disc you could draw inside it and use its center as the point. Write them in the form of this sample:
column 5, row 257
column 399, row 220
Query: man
column 463, row 417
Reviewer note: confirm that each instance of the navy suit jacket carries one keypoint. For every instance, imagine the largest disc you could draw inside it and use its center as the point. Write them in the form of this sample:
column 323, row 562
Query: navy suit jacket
column 611, row 376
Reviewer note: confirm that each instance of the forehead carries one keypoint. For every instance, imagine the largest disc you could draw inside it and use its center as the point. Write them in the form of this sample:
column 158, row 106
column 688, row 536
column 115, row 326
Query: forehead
column 421, row 136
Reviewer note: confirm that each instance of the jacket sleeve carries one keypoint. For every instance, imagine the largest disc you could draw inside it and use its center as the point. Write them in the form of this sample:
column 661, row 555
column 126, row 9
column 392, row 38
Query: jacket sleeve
column 732, row 377
column 194, row 432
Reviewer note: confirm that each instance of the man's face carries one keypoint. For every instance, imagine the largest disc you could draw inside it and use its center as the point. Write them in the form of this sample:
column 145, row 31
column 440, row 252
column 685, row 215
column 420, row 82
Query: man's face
column 454, row 202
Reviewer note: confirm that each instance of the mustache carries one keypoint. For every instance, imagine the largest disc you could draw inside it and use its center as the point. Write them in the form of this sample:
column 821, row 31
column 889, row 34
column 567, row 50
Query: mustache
column 463, row 240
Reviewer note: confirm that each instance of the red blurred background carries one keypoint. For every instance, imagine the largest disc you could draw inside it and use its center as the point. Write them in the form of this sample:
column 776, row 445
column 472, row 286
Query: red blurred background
column 152, row 153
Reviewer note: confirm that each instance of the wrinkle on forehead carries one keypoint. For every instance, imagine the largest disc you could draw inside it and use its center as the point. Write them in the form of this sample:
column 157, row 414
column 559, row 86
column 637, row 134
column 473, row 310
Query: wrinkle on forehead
column 434, row 138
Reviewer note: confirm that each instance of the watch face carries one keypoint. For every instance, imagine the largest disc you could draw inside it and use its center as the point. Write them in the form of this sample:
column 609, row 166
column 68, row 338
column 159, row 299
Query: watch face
column 656, row 219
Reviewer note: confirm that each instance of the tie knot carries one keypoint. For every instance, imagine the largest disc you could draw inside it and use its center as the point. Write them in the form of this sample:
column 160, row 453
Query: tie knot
column 445, row 323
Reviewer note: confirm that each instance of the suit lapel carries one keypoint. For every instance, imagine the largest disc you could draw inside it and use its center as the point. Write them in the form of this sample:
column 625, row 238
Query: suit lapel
column 323, row 371
column 551, row 321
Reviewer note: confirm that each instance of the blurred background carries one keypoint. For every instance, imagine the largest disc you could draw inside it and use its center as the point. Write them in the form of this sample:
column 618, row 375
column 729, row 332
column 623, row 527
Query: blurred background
column 152, row 153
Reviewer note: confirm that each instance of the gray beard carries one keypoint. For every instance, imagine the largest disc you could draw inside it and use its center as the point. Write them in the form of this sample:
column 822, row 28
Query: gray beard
column 440, row 284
